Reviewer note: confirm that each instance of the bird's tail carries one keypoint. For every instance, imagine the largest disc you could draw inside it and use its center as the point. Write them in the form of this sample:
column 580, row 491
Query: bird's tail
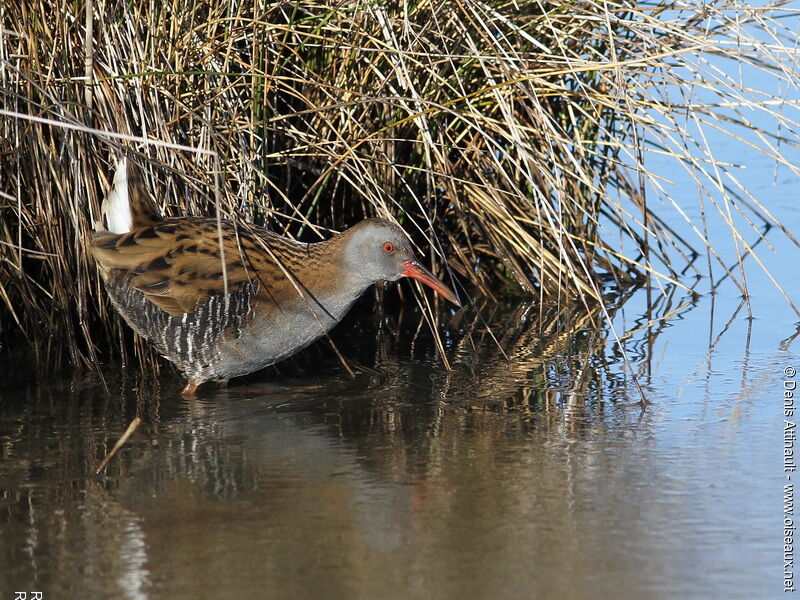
column 128, row 205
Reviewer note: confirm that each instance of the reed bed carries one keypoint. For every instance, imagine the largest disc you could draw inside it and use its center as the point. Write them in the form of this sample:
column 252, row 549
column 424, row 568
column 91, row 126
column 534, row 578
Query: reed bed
column 510, row 139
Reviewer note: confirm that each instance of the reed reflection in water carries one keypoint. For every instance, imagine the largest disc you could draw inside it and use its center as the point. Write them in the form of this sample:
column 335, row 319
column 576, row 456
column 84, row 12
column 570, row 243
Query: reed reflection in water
column 528, row 470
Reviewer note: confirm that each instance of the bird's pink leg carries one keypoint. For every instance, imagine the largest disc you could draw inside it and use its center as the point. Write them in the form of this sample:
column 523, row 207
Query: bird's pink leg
column 190, row 390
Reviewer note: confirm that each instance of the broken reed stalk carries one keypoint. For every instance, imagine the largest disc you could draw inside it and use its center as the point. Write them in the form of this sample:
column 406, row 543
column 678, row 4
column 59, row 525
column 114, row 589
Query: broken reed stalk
column 134, row 424
column 509, row 139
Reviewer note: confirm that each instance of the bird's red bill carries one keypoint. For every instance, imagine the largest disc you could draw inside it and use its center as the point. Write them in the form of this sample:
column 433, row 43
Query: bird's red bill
column 412, row 268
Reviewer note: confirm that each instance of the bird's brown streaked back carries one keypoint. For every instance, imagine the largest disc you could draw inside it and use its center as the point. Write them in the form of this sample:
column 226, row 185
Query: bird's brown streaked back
column 177, row 264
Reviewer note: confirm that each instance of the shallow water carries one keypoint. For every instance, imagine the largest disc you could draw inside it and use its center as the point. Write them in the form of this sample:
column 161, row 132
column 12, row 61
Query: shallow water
column 535, row 476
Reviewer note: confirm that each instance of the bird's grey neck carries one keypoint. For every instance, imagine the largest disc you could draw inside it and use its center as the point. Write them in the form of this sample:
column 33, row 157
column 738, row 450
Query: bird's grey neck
column 343, row 250
column 333, row 301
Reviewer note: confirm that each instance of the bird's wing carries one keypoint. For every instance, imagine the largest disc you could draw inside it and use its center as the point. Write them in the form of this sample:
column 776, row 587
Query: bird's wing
column 177, row 264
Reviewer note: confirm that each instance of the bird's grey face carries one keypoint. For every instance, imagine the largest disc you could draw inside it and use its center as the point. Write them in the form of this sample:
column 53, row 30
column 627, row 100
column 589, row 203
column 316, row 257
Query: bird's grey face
column 381, row 251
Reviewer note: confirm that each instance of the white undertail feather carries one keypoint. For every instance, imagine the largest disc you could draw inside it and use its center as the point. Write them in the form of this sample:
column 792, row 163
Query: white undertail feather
column 116, row 207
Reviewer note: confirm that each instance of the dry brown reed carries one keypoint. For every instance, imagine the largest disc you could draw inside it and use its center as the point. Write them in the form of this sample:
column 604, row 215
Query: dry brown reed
column 508, row 138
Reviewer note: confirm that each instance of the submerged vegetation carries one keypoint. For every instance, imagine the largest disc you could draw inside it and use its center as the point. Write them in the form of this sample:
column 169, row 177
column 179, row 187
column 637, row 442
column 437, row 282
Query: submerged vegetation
column 511, row 140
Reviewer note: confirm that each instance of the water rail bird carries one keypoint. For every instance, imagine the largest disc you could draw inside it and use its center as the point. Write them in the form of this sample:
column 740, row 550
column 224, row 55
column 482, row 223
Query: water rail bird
column 222, row 300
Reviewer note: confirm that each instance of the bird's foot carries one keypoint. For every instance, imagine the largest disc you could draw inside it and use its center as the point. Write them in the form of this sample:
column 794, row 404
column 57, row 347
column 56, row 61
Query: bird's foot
column 190, row 391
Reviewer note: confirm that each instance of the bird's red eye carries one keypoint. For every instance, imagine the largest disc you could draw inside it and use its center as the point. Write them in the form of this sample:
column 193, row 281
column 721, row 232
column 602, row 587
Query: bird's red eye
column 388, row 247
